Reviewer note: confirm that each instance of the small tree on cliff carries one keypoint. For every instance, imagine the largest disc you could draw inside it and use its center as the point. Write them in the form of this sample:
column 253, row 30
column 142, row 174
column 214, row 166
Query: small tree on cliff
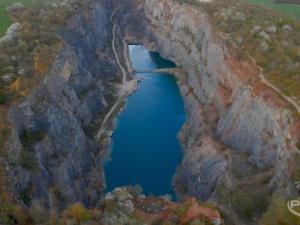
column 79, row 213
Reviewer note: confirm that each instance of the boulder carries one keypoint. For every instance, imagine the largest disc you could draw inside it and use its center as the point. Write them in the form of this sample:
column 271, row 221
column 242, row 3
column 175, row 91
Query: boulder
column 287, row 27
column 239, row 16
column 7, row 78
column 272, row 29
column 264, row 46
column 256, row 29
column 23, row 73
column 264, row 36
column 11, row 33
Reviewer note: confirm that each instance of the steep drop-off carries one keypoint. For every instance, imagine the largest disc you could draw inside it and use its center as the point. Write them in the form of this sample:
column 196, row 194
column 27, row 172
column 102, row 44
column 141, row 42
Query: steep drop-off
column 53, row 157
column 239, row 133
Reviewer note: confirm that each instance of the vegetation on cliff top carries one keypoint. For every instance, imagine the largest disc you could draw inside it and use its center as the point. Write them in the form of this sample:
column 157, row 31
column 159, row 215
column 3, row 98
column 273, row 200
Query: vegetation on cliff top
column 290, row 10
column 4, row 15
column 119, row 207
column 25, row 58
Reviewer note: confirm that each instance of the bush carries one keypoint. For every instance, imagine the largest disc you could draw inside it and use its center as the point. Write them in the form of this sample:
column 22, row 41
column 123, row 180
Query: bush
column 278, row 213
column 2, row 98
column 30, row 138
column 79, row 213
column 250, row 203
column 243, row 204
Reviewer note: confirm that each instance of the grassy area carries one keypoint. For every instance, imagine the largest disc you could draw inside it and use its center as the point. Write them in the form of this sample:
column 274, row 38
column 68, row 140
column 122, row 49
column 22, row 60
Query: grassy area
column 272, row 39
column 290, row 10
column 5, row 21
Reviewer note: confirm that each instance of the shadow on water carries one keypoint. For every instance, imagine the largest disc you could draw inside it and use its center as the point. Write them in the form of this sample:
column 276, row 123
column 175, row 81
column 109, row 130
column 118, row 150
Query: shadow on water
column 161, row 62
column 145, row 149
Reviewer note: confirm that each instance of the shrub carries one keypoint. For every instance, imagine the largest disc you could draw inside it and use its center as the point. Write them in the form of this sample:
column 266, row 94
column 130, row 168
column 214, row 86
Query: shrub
column 2, row 98
column 6, row 212
column 38, row 213
column 243, row 204
column 296, row 169
column 30, row 138
column 25, row 196
column 79, row 213
column 278, row 213
column 250, row 203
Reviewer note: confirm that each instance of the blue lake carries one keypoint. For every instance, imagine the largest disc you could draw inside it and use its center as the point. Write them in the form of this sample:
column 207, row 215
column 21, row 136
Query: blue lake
column 145, row 149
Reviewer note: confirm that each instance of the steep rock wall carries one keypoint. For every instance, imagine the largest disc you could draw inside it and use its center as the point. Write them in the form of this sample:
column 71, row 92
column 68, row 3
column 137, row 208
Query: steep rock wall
column 53, row 157
column 230, row 112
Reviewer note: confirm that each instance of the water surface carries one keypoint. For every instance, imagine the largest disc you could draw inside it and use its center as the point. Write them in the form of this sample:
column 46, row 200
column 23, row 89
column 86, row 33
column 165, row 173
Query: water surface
column 145, row 147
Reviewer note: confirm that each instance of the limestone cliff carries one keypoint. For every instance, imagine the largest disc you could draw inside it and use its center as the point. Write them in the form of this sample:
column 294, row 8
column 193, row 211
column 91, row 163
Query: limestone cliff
column 239, row 131
column 53, row 157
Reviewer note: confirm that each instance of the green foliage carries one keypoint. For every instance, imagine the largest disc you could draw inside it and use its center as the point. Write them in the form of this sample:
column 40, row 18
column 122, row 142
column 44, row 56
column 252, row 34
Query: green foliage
column 248, row 202
column 3, row 135
column 79, row 213
column 25, row 197
column 2, row 98
column 290, row 10
column 6, row 212
column 30, row 138
column 278, row 214
column 296, row 169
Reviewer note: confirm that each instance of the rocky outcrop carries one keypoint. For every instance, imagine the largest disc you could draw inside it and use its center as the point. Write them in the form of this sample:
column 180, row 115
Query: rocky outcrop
column 230, row 111
column 53, row 157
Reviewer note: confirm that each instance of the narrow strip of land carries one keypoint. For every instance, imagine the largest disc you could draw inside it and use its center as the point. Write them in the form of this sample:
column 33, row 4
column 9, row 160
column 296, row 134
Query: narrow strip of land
column 267, row 83
column 125, row 88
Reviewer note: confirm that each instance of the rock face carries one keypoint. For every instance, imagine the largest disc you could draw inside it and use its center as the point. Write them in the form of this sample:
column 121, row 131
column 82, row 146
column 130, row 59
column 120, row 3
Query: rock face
column 54, row 158
column 11, row 33
column 230, row 111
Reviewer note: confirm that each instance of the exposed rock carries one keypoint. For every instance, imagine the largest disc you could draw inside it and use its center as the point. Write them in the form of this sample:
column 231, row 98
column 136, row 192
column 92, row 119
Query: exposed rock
column 264, row 36
column 287, row 28
column 239, row 16
column 7, row 79
column 11, row 33
column 272, row 29
column 23, row 73
column 61, row 107
column 226, row 104
column 227, row 12
column 256, row 29
column 227, row 113
column 152, row 209
column 264, row 46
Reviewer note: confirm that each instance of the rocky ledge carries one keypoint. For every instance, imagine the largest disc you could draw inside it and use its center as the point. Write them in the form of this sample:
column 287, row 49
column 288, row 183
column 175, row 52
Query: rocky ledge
column 239, row 141
column 240, row 133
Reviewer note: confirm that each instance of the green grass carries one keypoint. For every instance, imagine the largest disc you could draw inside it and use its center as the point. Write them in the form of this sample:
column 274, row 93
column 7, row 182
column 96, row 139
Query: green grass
column 5, row 21
column 290, row 10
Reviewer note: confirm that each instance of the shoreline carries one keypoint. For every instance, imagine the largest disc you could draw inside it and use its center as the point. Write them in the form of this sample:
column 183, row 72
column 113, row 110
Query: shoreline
column 105, row 132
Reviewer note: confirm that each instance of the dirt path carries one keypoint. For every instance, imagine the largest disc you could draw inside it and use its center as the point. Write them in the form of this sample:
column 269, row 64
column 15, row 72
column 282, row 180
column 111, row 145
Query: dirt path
column 125, row 88
column 267, row 83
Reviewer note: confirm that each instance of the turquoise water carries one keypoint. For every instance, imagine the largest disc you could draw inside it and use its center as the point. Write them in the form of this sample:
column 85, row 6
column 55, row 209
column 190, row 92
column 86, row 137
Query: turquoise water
column 145, row 148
